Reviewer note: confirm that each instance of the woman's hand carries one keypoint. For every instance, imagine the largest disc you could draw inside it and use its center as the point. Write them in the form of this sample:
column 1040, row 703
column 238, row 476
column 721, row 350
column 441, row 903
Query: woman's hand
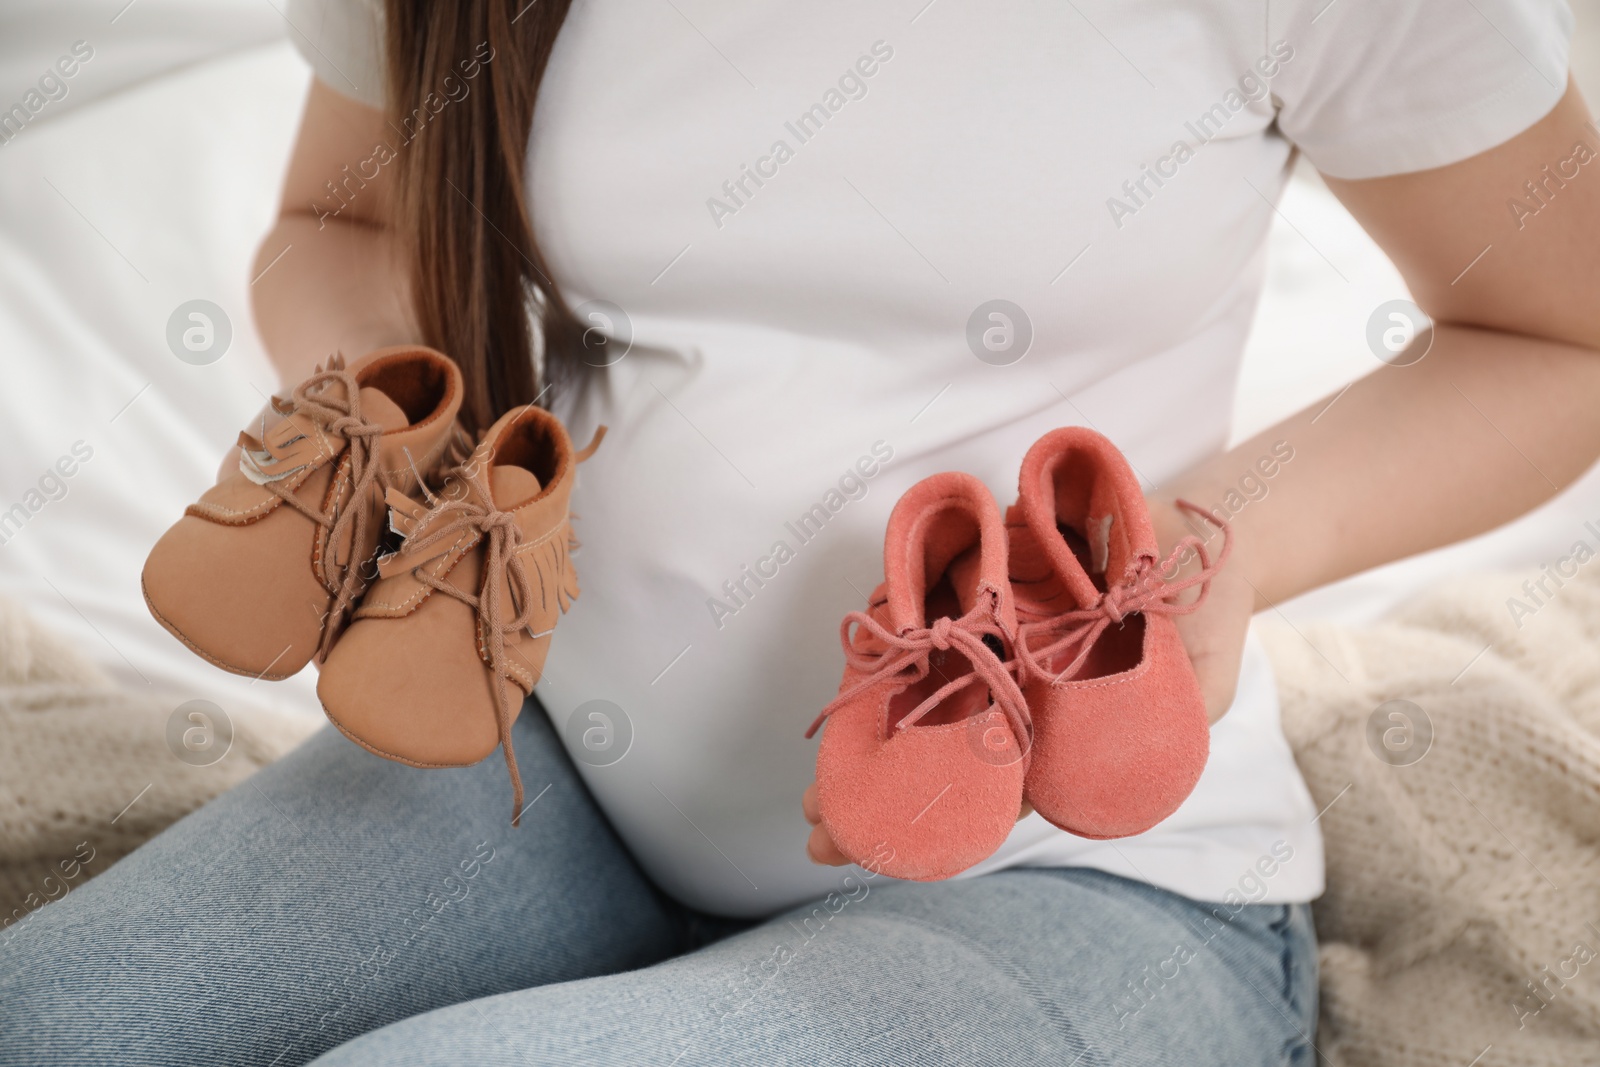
column 1214, row 633
column 819, row 846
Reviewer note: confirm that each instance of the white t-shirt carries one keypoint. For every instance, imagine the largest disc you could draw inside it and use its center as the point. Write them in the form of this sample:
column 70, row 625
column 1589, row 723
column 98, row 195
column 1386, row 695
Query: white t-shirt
column 800, row 210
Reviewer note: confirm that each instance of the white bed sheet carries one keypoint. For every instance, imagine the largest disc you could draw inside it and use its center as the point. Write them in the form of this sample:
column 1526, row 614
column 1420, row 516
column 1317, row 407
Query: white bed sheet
column 111, row 215
column 130, row 41
column 114, row 213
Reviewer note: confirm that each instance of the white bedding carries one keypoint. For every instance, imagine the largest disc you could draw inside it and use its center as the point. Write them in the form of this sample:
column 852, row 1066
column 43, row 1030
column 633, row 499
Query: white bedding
column 111, row 215
column 118, row 209
column 128, row 41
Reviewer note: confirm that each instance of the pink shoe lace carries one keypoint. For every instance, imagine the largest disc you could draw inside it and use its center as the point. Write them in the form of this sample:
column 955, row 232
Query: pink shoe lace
column 912, row 648
column 266, row 463
column 1147, row 592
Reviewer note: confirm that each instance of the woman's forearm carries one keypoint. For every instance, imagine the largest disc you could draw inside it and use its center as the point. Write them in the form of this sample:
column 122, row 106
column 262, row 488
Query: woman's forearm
column 1487, row 426
column 339, row 287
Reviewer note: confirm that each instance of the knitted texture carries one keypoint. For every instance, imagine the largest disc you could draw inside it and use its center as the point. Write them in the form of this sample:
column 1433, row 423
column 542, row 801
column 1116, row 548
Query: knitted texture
column 79, row 749
column 1463, row 902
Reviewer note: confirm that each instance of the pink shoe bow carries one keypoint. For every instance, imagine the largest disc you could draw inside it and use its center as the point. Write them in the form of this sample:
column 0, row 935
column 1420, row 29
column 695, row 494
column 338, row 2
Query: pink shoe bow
column 912, row 649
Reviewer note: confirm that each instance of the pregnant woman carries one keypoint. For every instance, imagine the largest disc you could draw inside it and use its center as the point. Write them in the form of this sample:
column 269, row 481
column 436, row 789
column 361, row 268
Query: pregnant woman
column 797, row 258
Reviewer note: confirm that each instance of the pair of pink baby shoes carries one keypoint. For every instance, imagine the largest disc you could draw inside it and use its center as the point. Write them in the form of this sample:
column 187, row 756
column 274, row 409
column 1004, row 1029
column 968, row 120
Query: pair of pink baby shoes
column 1032, row 659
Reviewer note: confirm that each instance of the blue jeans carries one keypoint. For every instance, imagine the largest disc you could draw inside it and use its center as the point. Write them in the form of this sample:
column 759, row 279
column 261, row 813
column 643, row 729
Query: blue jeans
column 347, row 910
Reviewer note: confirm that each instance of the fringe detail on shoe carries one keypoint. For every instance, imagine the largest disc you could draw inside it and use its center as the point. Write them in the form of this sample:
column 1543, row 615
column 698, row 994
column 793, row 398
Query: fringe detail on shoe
column 555, row 577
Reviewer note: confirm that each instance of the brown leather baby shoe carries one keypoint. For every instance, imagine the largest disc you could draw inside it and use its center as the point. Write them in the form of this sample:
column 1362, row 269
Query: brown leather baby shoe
column 259, row 576
column 453, row 636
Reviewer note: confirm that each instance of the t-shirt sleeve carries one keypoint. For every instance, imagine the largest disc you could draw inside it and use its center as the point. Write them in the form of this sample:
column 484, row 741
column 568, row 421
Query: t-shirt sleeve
column 343, row 42
column 1375, row 88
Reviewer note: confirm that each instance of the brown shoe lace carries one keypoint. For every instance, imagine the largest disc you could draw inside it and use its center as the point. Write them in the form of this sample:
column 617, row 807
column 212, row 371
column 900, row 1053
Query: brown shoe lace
column 475, row 514
column 267, row 463
column 505, row 563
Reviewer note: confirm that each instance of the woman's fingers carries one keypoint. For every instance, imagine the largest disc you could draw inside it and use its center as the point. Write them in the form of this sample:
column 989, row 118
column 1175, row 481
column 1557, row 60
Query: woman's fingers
column 820, row 846
column 808, row 805
column 1214, row 633
column 821, row 849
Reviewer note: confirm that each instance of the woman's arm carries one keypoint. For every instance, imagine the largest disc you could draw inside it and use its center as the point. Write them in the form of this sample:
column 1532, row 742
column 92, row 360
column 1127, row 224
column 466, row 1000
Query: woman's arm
column 340, row 286
column 1496, row 418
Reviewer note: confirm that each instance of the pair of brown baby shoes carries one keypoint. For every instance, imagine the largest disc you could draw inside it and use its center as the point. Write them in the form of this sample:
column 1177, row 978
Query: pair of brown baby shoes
column 363, row 530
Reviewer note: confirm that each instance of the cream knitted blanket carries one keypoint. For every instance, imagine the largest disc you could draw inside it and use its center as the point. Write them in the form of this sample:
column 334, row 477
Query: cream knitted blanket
column 1453, row 747
column 1462, row 919
column 89, row 770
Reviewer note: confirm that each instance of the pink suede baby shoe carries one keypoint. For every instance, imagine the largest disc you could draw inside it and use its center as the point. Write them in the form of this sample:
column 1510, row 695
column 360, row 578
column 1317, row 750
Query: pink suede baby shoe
column 1120, row 727
column 920, row 771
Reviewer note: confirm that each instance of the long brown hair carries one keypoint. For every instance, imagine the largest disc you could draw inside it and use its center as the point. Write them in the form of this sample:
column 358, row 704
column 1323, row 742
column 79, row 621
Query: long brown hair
column 463, row 77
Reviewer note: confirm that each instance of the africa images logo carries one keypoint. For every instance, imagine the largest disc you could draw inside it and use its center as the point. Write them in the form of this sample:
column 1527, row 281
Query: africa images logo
column 739, row 590
column 51, row 486
column 1251, row 86
column 739, row 190
column 51, row 86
